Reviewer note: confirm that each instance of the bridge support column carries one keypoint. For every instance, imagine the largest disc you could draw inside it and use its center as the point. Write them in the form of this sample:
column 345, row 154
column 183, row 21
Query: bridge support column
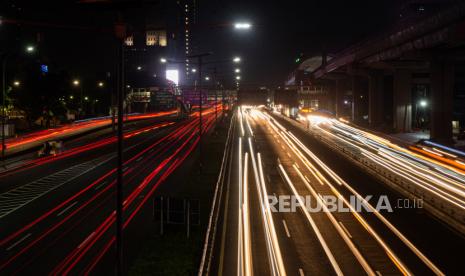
column 375, row 99
column 442, row 93
column 402, row 108
column 359, row 89
column 338, row 102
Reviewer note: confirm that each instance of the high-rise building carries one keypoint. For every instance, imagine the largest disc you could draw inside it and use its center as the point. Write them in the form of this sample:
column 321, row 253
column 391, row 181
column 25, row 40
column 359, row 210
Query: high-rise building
column 162, row 31
column 187, row 21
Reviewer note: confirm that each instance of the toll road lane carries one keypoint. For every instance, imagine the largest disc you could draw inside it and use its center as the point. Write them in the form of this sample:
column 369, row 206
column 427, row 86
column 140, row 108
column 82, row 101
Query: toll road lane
column 66, row 215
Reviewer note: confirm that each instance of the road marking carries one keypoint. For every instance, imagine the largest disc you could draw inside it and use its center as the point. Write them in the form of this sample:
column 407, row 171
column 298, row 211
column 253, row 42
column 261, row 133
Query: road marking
column 66, row 209
column 288, row 154
column 301, row 272
column 286, row 229
column 23, row 195
column 283, row 147
column 101, row 185
column 379, row 273
column 345, row 230
column 18, row 242
column 297, row 165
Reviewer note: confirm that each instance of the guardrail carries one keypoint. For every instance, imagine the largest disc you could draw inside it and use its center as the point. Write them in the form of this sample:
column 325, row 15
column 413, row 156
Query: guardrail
column 210, row 235
column 444, row 211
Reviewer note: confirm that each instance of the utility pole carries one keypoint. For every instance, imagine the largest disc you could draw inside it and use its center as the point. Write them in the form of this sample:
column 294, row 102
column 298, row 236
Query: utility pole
column 216, row 94
column 120, row 32
column 4, row 61
column 81, row 103
column 199, row 88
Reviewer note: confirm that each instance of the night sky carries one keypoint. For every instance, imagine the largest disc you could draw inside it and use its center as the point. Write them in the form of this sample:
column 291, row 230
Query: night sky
column 282, row 30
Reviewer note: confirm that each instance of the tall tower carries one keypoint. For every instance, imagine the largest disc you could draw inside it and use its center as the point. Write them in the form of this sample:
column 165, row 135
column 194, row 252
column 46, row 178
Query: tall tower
column 189, row 22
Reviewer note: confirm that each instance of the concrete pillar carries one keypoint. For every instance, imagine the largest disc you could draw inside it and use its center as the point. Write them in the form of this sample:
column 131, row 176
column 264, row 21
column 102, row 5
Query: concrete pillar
column 328, row 98
column 338, row 98
column 375, row 99
column 402, row 109
column 359, row 88
column 442, row 93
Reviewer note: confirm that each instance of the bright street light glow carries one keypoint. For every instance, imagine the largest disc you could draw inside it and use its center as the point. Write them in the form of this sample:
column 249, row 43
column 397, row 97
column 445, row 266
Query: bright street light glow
column 194, row 70
column 238, row 77
column 139, row 68
column 76, row 82
column 237, row 59
column 207, row 78
column 163, row 60
column 86, row 98
column 237, row 70
column 423, row 103
column 173, row 75
column 71, row 97
column 16, row 83
column 100, row 84
column 242, row 26
column 30, row 49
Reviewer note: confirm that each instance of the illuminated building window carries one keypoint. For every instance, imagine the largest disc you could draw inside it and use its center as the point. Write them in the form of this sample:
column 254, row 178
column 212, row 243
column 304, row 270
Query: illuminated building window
column 129, row 41
column 162, row 38
column 151, row 38
column 158, row 38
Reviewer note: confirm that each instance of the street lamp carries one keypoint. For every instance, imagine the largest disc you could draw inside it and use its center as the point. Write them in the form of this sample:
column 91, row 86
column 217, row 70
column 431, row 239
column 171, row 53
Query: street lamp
column 139, row 68
column 238, row 77
column 207, row 78
column 16, row 83
column 242, row 26
column 100, row 84
column 237, row 59
column 163, row 60
column 194, row 70
column 30, row 49
column 423, row 103
column 77, row 83
column 237, row 70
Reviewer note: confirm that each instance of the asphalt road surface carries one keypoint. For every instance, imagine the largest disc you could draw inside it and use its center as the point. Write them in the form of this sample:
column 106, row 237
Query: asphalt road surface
column 273, row 160
column 57, row 213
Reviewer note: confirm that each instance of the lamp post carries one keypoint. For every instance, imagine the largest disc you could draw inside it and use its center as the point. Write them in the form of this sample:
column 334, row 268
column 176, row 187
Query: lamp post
column 5, row 60
column 199, row 88
column 77, row 83
column 29, row 49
